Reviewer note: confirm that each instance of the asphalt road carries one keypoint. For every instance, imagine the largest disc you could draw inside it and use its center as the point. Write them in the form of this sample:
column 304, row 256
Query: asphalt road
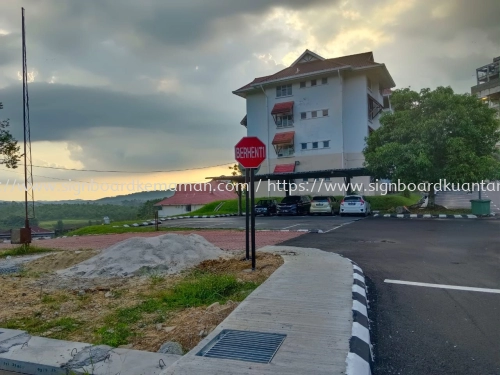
column 296, row 223
column 422, row 330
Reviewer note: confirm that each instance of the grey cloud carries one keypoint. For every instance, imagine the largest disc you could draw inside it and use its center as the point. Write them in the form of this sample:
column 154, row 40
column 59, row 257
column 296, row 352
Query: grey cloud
column 10, row 48
column 58, row 110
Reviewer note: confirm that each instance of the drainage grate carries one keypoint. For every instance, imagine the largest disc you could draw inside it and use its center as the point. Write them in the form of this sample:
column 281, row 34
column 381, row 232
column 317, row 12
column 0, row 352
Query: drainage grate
column 243, row 346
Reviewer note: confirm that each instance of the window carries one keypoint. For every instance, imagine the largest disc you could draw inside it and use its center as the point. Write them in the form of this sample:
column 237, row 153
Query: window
column 305, row 180
column 304, row 146
column 303, row 115
column 386, row 103
column 188, row 208
column 325, row 112
column 314, row 114
column 327, row 178
column 284, row 90
column 285, row 150
column 313, row 82
column 283, row 121
column 369, row 83
column 315, row 144
column 326, row 144
column 324, row 81
column 302, row 85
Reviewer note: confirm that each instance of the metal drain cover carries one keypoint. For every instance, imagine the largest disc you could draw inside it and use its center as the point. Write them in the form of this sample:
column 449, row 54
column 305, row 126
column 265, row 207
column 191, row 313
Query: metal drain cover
column 247, row 346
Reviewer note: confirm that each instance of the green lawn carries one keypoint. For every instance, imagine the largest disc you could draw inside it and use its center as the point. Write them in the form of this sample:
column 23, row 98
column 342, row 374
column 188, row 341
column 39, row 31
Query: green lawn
column 24, row 250
column 50, row 224
column 106, row 229
column 229, row 207
column 390, row 202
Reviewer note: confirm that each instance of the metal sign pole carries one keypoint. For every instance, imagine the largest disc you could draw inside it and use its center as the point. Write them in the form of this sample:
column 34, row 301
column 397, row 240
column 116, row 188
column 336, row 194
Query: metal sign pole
column 247, row 214
column 252, row 205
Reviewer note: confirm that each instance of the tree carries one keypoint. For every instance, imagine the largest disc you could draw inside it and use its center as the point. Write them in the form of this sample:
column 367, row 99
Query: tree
column 147, row 210
column 432, row 136
column 235, row 171
column 9, row 150
column 60, row 226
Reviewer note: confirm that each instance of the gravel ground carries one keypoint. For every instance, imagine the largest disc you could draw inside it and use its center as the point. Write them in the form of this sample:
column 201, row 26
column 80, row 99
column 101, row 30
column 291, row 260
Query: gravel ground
column 224, row 239
column 13, row 264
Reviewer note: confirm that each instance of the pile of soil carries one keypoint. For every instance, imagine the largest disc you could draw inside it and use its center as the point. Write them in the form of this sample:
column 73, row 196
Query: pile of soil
column 59, row 260
column 168, row 254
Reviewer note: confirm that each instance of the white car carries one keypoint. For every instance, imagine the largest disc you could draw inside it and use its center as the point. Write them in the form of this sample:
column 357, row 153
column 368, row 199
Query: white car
column 355, row 204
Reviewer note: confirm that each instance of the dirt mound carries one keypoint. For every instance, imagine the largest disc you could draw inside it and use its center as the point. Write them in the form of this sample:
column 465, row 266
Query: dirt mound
column 265, row 265
column 59, row 260
column 169, row 253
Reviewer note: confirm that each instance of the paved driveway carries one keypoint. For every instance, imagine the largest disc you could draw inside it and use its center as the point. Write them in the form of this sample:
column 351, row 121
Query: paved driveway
column 293, row 223
column 419, row 329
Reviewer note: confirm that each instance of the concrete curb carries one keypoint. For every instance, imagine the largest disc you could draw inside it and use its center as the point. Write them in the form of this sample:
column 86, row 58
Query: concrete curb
column 360, row 357
column 197, row 217
column 21, row 353
column 428, row 216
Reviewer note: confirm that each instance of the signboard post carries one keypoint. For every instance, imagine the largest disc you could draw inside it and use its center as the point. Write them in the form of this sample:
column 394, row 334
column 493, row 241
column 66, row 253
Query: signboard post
column 250, row 152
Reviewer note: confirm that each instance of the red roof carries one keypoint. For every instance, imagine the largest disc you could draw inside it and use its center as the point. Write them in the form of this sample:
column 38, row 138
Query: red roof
column 200, row 193
column 355, row 61
column 285, row 107
column 281, row 138
column 34, row 230
column 284, row 168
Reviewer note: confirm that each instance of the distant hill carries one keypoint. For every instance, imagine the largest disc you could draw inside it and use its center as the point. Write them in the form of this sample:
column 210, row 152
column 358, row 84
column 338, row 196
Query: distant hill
column 133, row 199
column 130, row 199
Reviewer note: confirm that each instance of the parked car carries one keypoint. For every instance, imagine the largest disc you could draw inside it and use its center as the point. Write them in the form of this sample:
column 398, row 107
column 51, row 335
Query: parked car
column 294, row 205
column 266, row 207
column 355, row 204
column 323, row 205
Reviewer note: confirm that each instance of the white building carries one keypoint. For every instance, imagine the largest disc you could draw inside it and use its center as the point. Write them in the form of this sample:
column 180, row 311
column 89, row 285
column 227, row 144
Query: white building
column 315, row 114
column 488, row 84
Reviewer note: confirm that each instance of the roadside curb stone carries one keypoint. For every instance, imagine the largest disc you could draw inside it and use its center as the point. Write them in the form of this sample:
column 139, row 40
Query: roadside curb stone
column 360, row 357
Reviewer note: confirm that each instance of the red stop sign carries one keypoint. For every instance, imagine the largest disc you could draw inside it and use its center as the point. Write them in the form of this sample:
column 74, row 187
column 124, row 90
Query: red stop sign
column 250, row 152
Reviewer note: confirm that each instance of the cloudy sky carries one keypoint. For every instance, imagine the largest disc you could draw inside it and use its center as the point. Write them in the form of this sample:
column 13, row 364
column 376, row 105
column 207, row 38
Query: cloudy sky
column 146, row 85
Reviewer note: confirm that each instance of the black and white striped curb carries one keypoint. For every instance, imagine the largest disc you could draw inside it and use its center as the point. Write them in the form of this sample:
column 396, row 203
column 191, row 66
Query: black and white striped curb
column 360, row 357
column 427, row 216
column 197, row 217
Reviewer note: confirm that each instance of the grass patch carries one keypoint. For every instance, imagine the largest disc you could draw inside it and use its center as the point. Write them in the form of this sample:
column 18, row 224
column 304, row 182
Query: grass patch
column 50, row 224
column 55, row 328
column 107, row 229
column 230, row 206
column 25, row 250
column 197, row 289
column 390, row 202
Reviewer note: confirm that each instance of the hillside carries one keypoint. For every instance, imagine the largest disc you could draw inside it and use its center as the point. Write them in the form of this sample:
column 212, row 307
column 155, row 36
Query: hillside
column 133, row 199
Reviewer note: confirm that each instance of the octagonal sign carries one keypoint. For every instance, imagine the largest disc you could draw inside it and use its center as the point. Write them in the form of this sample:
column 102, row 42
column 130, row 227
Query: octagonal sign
column 250, row 152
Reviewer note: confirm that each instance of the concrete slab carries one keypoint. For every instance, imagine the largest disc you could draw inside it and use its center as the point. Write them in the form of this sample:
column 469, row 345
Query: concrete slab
column 40, row 355
column 6, row 334
column 309, row 299
column 130, row 362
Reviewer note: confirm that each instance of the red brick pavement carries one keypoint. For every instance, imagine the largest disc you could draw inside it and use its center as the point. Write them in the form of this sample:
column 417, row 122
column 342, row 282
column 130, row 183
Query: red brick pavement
column 225, row 239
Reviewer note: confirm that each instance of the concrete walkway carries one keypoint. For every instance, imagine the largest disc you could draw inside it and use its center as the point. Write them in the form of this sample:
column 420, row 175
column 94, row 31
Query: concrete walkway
column 309, row 299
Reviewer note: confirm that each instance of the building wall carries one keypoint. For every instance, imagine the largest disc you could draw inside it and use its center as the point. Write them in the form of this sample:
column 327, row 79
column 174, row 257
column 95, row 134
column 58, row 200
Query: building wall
column 345, row 127
column 177, row 210
column 355, row 118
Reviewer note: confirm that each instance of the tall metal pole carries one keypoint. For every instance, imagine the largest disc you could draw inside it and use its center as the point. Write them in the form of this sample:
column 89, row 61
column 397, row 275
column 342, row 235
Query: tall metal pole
column 25, row 80
column 247, row 214
column 252, row 211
